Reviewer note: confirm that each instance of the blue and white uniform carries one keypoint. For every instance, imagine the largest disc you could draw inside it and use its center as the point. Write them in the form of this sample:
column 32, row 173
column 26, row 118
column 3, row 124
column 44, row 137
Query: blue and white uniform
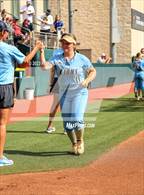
column 138, row 66
column 73, row 96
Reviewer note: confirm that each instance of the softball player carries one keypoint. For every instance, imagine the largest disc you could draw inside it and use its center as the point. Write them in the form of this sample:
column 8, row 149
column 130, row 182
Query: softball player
column 138, row 66
column 75, row 73
column 9, row 55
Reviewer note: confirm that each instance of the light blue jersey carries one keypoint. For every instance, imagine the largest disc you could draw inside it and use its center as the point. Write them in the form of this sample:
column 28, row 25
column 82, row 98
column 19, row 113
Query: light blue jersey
column 9, row 56
column 71, row 72
column 73, row 96
column 138, row 66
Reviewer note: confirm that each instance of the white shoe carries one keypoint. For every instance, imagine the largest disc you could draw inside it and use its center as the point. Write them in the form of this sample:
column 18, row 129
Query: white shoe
column 5, row 162
column 138, row 98
column 50, row 130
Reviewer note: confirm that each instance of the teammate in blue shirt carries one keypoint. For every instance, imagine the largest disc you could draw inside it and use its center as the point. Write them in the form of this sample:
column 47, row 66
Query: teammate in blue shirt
column 75, row 72
column 138, row 66
column 9, row 56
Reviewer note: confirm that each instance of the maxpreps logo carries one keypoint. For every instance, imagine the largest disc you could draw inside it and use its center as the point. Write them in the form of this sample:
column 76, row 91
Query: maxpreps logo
column 71, row 126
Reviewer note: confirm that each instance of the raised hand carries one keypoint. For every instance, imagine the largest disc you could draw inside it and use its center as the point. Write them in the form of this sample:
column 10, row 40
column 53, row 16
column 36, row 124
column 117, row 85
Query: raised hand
column 39, row 44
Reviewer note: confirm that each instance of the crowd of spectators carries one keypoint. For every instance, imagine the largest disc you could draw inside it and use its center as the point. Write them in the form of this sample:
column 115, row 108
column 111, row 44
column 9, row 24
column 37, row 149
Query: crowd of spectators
column 21, row 32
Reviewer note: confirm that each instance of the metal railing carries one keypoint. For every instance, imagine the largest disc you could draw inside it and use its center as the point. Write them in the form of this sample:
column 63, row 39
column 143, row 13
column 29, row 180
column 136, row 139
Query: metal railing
column 50, row 40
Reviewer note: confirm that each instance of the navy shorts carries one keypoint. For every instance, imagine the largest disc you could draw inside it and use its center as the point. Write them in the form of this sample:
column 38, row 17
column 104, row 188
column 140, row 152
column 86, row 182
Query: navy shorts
column 6, row 96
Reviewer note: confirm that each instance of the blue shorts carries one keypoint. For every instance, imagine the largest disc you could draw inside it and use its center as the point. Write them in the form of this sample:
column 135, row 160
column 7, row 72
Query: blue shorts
column 73, row 107
column 139, row 84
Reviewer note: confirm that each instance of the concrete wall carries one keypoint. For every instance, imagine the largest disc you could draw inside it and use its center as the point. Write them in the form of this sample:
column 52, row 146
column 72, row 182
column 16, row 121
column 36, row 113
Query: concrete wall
column 107, row 75
column 138, row 5
column 137, row 36
column 137, row 41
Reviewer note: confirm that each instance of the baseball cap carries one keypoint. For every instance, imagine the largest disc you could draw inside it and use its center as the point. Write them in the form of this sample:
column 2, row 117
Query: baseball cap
column 3, row 26
column 70, row 38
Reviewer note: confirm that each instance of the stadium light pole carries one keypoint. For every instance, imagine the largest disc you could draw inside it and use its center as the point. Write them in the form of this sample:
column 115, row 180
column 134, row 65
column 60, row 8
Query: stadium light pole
column 70, row 13
column 114, row 30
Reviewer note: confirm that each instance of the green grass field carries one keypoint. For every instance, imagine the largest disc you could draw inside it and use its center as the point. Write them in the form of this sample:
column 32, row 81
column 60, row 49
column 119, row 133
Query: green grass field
column 34, row 150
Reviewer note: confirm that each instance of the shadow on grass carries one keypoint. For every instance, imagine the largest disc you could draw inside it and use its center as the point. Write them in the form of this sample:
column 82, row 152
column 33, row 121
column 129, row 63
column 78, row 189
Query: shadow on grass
column 40, row 154
column 122, row 105
column 38, row 132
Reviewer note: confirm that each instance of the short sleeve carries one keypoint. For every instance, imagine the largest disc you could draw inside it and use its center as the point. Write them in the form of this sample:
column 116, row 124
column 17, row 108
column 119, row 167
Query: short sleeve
column 86, row 63
column 17, row 55
column 32, row 9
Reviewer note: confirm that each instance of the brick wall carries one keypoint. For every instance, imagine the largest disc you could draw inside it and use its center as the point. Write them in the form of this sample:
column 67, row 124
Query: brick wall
column 91, row 25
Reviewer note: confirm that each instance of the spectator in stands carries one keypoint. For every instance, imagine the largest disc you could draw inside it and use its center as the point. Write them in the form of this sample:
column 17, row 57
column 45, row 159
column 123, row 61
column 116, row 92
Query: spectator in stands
column 9, row 56
column 28, row 11
column 46, row 22
column 58, row 24
column 26, row 26
column 103, row 59
column 138, row 66
column 17, row 34
column 27, row 29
